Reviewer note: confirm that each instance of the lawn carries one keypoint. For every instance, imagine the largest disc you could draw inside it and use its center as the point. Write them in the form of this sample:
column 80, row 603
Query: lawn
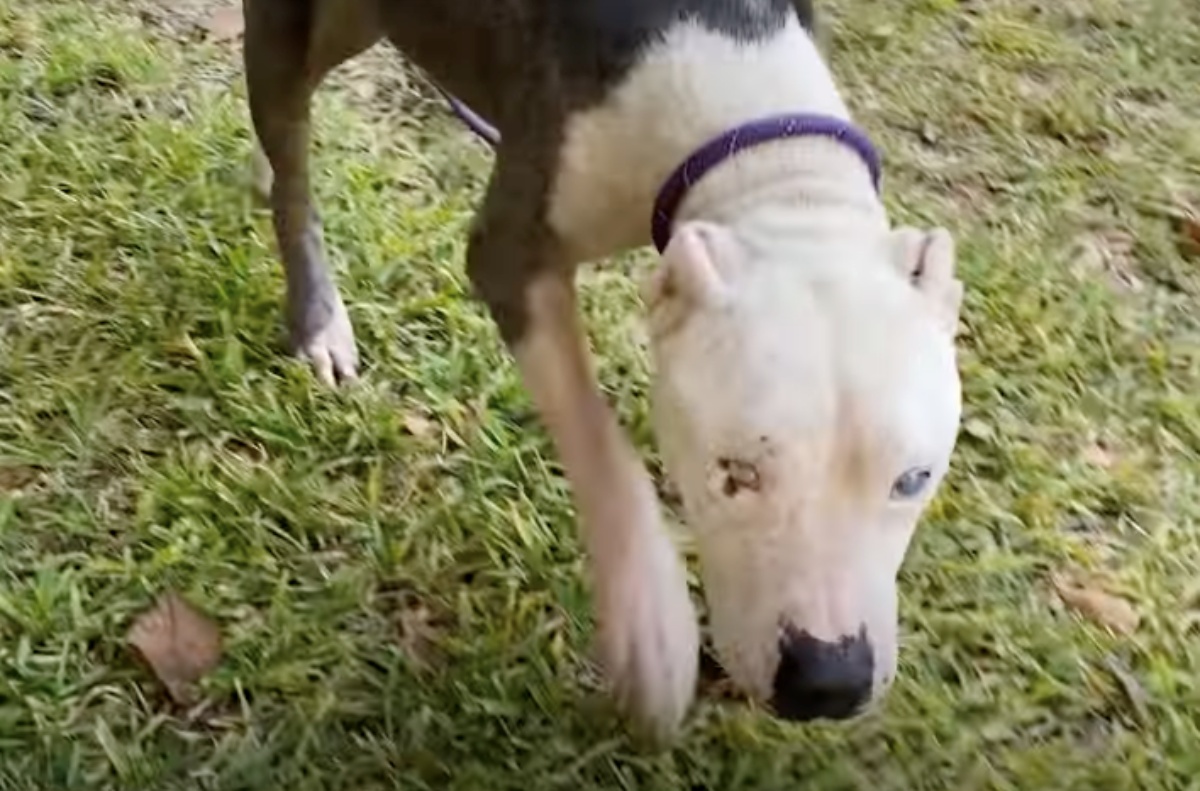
column 394, row 566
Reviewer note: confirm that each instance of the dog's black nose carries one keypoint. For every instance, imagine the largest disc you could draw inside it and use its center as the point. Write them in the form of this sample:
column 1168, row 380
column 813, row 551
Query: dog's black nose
column 817, row 679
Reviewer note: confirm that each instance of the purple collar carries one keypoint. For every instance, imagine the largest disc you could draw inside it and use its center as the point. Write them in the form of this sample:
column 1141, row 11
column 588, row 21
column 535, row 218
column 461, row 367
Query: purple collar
column 716, row 151
column 738, row 139
column 475, row 122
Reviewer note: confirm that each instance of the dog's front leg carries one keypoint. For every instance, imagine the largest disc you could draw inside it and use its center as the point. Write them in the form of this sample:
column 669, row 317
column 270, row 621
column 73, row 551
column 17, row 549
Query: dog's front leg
column 648, row 635
column 289, row 47
column 647, row 629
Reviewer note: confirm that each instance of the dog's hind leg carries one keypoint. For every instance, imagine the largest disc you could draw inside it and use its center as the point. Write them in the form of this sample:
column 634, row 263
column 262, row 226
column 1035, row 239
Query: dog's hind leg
column 290, row 45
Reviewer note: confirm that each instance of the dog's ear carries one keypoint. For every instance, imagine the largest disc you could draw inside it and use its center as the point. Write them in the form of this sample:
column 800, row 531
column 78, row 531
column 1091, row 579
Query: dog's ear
column 688, row 275
column 927, row 260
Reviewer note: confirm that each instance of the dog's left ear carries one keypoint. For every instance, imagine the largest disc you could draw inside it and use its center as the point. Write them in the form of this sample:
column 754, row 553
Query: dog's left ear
column 689, row 277
column 927, row 260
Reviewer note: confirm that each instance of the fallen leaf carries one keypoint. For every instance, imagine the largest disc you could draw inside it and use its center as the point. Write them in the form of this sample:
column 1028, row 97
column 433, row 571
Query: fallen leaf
column 418, row 625
column 225, row 24
column 979, row 429
column 1108, row 252
column 883, row 32
column 416, row 634
column 1099, row 606
column 14, row 479
column 420, row 427
column 1099, row 455
column 1189, row 228
column 178, row 642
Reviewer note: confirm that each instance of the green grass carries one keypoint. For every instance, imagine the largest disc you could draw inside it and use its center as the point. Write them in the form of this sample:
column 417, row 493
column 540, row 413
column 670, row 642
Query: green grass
column 405, row 609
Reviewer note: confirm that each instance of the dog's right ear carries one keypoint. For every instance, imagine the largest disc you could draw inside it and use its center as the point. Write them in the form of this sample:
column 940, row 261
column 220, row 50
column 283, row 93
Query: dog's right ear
column 927, row 259
column 688, row 273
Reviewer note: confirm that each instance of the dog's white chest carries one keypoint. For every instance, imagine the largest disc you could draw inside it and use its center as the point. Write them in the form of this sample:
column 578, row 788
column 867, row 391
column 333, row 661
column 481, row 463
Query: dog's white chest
column 692, row 86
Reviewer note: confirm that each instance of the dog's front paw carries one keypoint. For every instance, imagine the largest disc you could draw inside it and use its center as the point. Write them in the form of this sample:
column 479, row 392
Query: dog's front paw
column 322, row 335
column 648, row 639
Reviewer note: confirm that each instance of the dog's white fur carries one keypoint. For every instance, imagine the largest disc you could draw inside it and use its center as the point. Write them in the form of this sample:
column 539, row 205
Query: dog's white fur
column 793, row 332
column 692, row 86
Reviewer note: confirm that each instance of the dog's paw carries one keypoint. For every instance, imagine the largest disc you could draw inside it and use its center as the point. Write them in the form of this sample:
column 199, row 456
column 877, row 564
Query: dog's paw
column 648, row 639
column 928, row 259
column 324, row 338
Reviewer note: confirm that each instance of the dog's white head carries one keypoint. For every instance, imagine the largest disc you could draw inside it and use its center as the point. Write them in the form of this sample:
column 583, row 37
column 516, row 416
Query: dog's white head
column 807, row 400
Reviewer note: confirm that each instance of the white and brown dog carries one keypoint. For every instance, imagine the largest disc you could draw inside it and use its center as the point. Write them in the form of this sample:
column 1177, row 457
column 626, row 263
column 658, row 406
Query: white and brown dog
column 805, row 386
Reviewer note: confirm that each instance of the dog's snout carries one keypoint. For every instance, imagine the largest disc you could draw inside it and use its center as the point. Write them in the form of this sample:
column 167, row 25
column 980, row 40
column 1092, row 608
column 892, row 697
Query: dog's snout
column 820, row 679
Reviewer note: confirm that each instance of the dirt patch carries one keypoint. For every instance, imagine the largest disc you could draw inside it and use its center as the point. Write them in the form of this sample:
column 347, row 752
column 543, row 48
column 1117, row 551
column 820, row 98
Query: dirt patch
column 378, row 81
column 180, row 19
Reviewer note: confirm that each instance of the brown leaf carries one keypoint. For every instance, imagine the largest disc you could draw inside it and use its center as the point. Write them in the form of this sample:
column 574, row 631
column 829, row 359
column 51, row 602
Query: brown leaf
column 1099, row 455
column 420, row 427
column 1099, row 606
column 179, row 643
column 419, row 625
column 16, row 478
column 417, row 634
column 1189, row 228
column 225, row 24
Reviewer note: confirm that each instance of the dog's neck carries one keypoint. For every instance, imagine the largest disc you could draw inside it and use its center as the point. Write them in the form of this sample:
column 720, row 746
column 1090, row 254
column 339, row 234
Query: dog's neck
column 814, row 181
column 692, row 87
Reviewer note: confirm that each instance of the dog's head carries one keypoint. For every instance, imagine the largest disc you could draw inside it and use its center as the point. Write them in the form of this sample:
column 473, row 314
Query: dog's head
column 807, row 401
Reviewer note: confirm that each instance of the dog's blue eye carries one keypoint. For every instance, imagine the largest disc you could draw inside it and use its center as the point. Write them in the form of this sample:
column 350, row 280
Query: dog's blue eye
column 911, row 483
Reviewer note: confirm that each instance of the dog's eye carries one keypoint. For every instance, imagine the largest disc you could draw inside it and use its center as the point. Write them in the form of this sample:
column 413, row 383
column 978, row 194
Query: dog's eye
column 911, row 483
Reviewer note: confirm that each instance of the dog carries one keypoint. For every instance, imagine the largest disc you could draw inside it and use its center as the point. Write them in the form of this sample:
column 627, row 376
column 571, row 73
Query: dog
column 805, row 390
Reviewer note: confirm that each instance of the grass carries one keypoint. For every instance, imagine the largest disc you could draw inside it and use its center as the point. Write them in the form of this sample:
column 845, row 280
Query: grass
column 395, row 567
